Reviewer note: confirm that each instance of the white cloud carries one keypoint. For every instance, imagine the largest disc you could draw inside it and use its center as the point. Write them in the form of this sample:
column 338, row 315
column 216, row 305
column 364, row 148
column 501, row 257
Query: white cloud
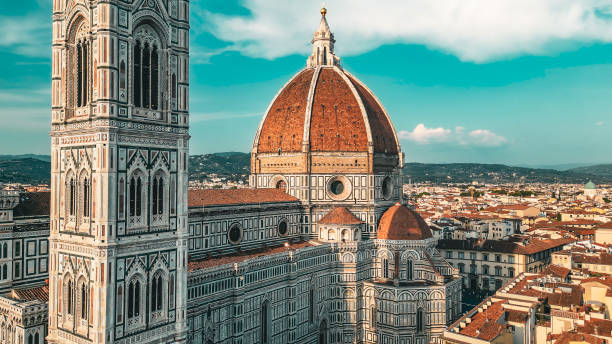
column 27, row 36
column 424, row 135
column 478, row 137
column 473, row 30
column 599, row 124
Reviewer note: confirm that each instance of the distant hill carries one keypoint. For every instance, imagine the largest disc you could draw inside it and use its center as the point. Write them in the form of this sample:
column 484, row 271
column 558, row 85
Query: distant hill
column 34, row 169
column 26, row 171
column 494, row 173
column 232, row 165
column 604, row 170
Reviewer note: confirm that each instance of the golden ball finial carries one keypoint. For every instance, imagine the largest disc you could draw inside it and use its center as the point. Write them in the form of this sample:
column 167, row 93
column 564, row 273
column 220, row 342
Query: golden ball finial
column 323, row 11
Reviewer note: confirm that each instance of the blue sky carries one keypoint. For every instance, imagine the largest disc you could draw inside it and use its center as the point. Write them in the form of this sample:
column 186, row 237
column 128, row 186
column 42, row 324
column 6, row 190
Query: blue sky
column 515, row 82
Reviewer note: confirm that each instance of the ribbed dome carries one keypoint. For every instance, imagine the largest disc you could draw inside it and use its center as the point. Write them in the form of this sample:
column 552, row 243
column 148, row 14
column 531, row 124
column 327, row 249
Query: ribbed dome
column 325, row 109
column 401, row 223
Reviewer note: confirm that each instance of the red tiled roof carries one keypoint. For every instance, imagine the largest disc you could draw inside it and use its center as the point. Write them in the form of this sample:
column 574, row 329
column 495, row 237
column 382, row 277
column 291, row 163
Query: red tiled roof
column 401, row 223
column 504, row 246
column 340, row 216
column 337, row 122
column 572, row 337
column 557, row 270
column 597, row 327
column 480, row 323
column 40, row 293
column 212, row 197
column 238, row 257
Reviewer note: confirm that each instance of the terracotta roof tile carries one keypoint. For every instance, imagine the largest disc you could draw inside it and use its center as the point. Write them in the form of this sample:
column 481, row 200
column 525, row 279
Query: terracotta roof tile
column 40, row 293
column 212, row 197
column 402, row 223
column 33, row 204
column 340, row 216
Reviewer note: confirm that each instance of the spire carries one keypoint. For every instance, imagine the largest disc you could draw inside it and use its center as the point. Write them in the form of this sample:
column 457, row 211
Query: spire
column 323, row 45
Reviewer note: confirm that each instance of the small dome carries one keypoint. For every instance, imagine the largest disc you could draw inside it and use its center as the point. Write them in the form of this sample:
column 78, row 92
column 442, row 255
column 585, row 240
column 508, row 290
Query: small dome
column 340, row 216
column 401, row 223
column 589, row 186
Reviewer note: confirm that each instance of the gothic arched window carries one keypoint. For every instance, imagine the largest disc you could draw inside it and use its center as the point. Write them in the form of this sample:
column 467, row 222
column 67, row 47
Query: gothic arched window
column 386, row 268
column 36, row 338
column 80, row 46
column 156, row 293
column 4, row 271
column 171, row 293
column 86, row 197
column 133, row 299
column 311, row 306
column 419, row 320
column 157, row 195
column 136, row 196
column 83, row 300
column 69, row 297
column 409, row 269
column 72, row 196
column 146, row 61
column 4, row 250
column 30, row 339
column 373, row 316
column 264, row 322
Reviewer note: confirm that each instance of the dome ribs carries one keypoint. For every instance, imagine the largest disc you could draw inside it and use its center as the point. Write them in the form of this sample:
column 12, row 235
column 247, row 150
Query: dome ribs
column 283, row 127
column 336, row 122
column 382, row 131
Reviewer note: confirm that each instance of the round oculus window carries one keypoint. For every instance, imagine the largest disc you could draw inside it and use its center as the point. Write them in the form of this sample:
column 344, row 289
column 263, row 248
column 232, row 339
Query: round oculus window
column 234, row 234
column 336, row 187
column 282, row 228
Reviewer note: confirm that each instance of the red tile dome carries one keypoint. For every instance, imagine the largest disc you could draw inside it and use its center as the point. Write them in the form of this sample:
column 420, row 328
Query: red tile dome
column 325, row 109
column 402, row 223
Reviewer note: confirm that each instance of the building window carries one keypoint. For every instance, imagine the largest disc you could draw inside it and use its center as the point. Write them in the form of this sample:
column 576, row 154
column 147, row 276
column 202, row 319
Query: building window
column 511, row 272
column 133, row 299
column 264, row 322
column 86, row 197
column 485, row 269
column 4, row 272
column 373, row 316
column 409, row 270
column 511, row 259
column 473, row 255
column 419, row 320
column 461, row 267
column 83, row 301
column 4, row 250
column 156, row 293
column 71, row 197
column 386, row 268
column 157, row 197
column 79, row 60
column 311, row 306
column 498, row 271
column 136, row 196
column 449, row 254
column 485, row 257
column 119, row 304
column 460, row 255
column 69, row 297
column 473, row 269
column 498, row 258
column 146, row 68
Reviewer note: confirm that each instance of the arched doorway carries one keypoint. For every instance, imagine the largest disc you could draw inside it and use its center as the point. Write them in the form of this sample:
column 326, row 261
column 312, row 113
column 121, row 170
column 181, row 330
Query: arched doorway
column 323, row 332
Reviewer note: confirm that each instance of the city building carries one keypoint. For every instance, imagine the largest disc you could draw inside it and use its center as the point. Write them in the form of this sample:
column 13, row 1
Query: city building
column 489, row 264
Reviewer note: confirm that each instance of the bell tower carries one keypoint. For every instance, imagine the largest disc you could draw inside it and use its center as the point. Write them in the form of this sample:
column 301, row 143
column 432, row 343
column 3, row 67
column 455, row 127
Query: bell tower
column 119, row 150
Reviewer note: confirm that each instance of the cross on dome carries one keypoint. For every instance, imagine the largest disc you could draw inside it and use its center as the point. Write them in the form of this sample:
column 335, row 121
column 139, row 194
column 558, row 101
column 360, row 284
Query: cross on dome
column 323, row 45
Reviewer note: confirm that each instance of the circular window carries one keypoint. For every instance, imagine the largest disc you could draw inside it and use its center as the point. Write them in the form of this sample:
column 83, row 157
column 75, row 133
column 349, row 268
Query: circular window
column 234, row 234
column 336, row 187
column 387, row 188
column 339, row 188
column 283, row 228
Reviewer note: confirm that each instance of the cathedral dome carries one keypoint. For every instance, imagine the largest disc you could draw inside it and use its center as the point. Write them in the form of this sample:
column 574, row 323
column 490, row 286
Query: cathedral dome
column 402, row 223
column 323, row 108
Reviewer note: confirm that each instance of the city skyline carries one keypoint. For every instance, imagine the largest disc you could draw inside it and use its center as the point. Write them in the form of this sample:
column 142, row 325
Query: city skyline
column 535, row 98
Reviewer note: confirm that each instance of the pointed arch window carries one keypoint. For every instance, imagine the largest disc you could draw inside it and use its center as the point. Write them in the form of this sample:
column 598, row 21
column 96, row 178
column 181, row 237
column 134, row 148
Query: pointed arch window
column 30, row 339
column 171, row 293
column 72, row 197
column 133, row 299
column 136, row 196
column 419, row 320
column 146, row 71
column 86, row 197
column 158, row 195
column 84, row 301
column 373, row 316
column 69, row 297
column 4, row 250
column 386, row 268
column 156, row 293
column 4, row 271
column 409, row 269
column 264, row 322
column 36, row 338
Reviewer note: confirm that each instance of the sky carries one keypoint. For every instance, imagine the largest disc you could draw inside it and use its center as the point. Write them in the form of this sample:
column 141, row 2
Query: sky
column 508, row 81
